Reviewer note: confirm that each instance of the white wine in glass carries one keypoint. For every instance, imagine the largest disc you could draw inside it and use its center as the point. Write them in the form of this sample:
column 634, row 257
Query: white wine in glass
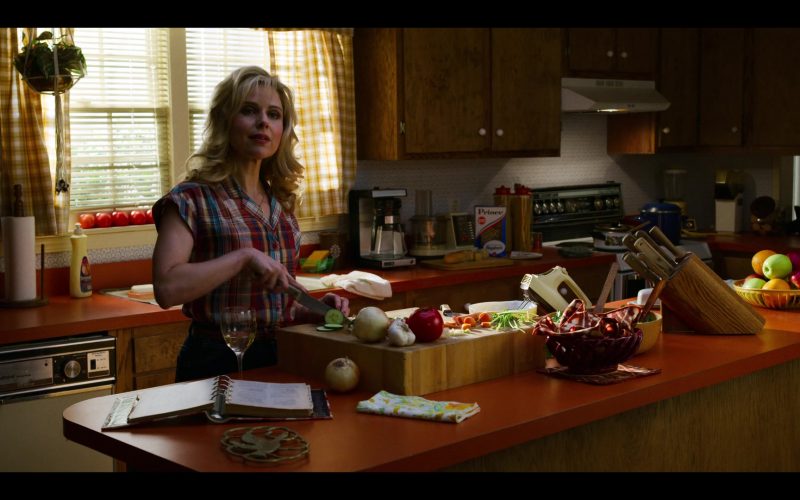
column 238, row 330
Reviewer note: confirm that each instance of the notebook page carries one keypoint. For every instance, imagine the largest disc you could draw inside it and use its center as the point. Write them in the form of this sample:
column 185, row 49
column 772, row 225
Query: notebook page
column 271, row 395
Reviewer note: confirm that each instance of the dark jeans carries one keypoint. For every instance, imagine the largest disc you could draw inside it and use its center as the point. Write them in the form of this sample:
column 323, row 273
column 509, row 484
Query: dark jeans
column 205, row 356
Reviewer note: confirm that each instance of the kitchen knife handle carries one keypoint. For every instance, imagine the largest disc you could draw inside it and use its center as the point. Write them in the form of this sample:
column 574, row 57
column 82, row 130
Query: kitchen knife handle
column 640, row 268
column 653, row 259
column 657, row 234
column 666, row 255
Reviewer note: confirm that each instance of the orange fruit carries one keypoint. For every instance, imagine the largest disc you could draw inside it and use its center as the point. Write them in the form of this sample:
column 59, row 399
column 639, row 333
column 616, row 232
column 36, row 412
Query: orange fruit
column 758, row 260
column 776, row 284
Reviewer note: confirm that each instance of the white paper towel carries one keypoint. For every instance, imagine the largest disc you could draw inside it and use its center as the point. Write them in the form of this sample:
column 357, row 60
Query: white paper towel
column 19, row 254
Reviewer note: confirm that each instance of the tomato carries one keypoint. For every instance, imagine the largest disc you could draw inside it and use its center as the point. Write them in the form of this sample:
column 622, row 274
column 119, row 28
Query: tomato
column 87, row 220
column 138, row 217
column 149, row 215
column 103, row 219
column 426, row 323
column 120, row 218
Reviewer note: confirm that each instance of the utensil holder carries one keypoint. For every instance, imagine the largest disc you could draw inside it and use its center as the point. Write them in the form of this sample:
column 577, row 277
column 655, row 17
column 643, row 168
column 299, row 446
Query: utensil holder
column 703, row 303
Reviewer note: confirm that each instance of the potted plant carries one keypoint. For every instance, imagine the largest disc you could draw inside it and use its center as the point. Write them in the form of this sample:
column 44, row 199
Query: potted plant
column 38, row 58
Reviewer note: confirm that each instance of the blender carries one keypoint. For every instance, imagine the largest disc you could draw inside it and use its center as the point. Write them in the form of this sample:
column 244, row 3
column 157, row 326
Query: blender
column 427, row 231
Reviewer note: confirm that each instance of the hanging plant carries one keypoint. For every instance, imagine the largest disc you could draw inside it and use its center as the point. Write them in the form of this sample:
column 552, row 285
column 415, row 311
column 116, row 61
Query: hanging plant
column 50, row 65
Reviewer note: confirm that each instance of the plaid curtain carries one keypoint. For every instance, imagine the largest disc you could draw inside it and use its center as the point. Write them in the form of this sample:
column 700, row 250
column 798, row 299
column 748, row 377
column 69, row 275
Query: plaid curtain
column 321, row 62
column 23, row 154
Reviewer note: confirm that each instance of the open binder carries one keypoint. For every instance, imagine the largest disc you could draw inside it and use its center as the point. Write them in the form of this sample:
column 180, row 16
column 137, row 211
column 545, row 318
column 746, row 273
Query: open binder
column 222, row 399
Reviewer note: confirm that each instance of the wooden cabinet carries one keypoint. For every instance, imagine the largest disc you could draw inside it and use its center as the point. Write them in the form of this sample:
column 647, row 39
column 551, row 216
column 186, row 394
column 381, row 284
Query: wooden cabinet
column 678, row 82
column 775, row 88
column 729, row 89
column 457, row 92
column 628, row 53
column 721, row 86
column 147, row 355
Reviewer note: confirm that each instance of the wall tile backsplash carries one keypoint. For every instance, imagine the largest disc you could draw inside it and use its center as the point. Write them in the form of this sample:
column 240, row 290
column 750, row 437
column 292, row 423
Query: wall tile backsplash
column 458, row 185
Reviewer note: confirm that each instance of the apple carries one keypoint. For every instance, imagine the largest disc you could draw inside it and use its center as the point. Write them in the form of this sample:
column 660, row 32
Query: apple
column 776, row 284
column 103, row 219
column 777, row 266
column 795, row 279
column 754, row 284
column 120, row 218
column 794, row 256
column 426, row 323
column 138, row 217
column 754, row 275
column 86, row 220
column 149, row 215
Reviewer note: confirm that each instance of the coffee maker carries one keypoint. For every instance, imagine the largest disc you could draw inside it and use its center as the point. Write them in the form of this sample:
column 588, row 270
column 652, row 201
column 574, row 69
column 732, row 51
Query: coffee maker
column 376, row 233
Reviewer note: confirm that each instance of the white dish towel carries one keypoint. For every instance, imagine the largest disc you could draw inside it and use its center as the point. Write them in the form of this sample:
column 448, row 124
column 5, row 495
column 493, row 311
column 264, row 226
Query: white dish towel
column 360, row 283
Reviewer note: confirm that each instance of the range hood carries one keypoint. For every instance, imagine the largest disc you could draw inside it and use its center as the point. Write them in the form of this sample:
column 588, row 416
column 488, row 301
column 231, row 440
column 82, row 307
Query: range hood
column 593, row 95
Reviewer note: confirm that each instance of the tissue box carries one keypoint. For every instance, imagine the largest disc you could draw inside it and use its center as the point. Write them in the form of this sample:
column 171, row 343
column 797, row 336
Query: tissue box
column 729, row 215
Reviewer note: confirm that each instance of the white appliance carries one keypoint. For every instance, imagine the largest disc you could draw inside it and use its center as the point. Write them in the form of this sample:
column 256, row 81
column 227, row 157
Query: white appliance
column 38, row 381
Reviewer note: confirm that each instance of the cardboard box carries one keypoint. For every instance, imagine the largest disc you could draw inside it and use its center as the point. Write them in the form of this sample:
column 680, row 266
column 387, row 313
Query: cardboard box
column 492, row 229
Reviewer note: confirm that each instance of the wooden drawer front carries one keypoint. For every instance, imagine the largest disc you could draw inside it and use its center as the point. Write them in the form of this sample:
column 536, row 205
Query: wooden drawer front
column 157, row 349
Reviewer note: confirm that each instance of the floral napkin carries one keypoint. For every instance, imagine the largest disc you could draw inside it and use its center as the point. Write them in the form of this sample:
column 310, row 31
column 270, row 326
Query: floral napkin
column 393, row 405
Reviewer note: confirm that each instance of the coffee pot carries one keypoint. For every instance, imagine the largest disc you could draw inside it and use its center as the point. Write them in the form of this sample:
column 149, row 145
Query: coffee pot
column 376, row 231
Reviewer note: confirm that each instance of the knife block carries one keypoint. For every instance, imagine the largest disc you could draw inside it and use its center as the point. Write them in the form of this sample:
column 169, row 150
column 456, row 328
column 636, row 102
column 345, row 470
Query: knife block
column 696, row 300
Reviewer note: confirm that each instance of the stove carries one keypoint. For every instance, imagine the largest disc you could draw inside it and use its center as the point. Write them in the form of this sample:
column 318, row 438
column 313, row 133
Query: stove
column 568, row 212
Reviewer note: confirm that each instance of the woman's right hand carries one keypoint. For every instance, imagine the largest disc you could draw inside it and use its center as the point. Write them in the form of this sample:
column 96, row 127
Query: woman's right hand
column 273, row 275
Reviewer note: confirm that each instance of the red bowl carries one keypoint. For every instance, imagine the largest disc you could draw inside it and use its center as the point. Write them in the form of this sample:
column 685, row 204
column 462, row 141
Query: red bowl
column 585, row 354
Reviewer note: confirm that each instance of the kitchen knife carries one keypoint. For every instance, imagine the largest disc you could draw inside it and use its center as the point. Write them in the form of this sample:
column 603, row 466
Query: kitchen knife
column 639, row 267
column 653, row 259
column 310, row 302
column 659, row 235
column 657, row 247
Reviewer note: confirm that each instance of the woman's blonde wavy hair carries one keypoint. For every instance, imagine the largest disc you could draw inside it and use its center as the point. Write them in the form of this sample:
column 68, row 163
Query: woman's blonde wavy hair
column 210, row 163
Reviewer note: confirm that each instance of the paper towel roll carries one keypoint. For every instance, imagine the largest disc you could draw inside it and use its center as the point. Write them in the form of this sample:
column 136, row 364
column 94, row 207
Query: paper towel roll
column 19, row 254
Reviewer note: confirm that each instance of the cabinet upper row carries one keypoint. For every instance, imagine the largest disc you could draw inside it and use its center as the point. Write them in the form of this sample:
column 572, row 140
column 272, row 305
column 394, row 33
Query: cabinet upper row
column 460, row 93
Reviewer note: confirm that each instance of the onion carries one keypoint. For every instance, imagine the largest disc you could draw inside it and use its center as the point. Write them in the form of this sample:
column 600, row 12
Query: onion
column 371, row 324
column 342, row 375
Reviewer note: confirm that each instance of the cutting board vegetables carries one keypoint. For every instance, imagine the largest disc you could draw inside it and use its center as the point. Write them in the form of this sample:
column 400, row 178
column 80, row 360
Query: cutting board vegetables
column 416, row 369
column 475, row 264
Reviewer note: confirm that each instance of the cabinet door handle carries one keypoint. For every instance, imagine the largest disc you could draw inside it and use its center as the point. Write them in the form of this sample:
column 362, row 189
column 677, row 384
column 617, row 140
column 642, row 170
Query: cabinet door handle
column 734, row 129
column 665, row 130
column 623, row 54
column 481, row 131
column 610, row 53
column 499, row 132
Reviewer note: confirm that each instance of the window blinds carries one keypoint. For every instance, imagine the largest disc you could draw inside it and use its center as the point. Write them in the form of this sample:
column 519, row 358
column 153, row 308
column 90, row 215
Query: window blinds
column 118, row 119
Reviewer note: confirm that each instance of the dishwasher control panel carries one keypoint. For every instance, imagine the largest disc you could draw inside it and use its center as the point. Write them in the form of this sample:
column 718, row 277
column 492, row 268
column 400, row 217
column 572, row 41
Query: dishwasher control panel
column 38, row 368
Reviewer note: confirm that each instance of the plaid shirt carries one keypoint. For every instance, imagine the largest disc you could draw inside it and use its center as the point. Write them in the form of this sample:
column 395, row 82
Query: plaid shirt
column 222, row 218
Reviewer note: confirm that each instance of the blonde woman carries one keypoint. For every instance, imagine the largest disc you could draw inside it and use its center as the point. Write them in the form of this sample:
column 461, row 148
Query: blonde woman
column 227, row 235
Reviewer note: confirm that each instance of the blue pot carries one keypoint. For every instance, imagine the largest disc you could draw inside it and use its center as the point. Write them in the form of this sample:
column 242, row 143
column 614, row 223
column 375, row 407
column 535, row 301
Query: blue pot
column 666, row 216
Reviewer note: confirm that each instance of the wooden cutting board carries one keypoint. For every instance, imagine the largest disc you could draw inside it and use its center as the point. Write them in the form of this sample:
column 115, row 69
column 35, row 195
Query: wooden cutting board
column 475, row 264
column 411, row 370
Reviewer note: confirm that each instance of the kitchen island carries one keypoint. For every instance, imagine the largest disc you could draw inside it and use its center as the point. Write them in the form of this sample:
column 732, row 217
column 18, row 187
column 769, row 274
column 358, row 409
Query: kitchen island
column 728, row 402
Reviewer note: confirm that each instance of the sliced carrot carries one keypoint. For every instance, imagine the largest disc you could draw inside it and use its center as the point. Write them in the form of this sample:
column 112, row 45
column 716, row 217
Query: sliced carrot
column 484, row 317
column 465, row 327
column 486, row 324
column 469, row 320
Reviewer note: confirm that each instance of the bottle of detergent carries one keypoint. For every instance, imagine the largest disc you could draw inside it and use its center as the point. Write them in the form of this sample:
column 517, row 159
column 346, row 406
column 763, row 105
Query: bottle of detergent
column 80, row 274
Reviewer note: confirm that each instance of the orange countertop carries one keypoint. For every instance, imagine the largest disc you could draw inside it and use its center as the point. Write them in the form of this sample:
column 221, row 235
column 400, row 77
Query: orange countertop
column 514, row 410
column 64, row 316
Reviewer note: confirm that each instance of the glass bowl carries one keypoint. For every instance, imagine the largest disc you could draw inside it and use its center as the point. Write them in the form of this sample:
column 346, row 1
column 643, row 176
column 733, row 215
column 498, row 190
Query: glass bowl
column 771, row 299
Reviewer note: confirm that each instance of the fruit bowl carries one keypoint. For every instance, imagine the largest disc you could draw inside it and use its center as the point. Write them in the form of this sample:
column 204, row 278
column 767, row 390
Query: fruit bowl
column 771, row 299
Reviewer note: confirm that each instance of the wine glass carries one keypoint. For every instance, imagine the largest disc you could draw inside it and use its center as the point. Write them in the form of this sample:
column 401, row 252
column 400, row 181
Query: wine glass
column 238, row 330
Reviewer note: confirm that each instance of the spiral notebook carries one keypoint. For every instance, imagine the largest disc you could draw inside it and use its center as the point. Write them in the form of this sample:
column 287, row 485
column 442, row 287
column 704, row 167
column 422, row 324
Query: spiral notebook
column 222, row 398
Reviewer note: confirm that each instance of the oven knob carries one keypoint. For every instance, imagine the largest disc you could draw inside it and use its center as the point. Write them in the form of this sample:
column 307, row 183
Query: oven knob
column 571, row 206
column 72, row 369
column 537, row 209
column 552, row 207
column 598, row 203
column 609, row 203
column 616, row 202
column 560, row 207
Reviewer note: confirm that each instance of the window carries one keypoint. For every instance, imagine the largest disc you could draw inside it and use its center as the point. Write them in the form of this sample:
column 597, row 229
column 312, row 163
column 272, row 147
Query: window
column 132, row 127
